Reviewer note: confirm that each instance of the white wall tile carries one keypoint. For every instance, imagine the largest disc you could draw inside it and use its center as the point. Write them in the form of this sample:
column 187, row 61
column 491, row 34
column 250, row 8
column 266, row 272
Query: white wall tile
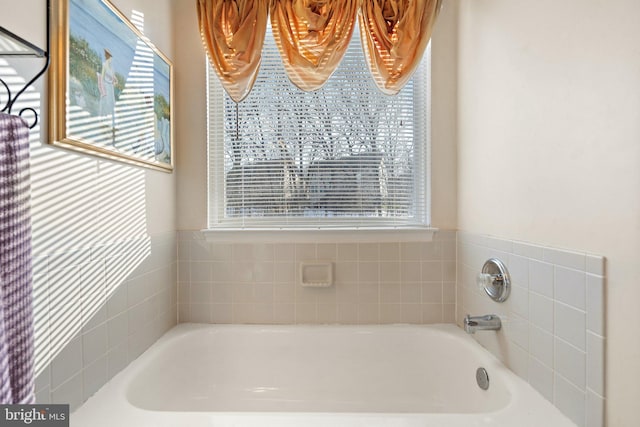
column 368, row 313
column 368, row 293
column 410, row 271
column 519, row 270
column 448, row 251
column 517, row 359
column 282, row 314
column 117, row 329
column 43, row 379
column 347, row 312
column 570, row 287
column 449, row 271
column 516, row 329
column 306, row 252
column 346, row 272
column 595, row 304
column 67, row 363
column 306, row 313
column 500, row 245
column 570, row 325
column 117, row 359
column 184, row 293
column 284, row 252
column 94, row 344
column 595, row 265
column 595, row 363
column 184, row 249
column 559, row 257
column 570, row 400
column 94, row 376
column 368, row 252
column 541, row 378
column 43, row 397
column 327, row 313
column 222, row 272
column 570, row 363
column 222, row 313
column 390, row 293
column 222, row 293
column 433, row 251
column 518, row 301
column 70, row 392
column 565, row 300
column 541, row 345
column 347, row 292
column 541, row 278
column 541, row 312
column 432, row 293
column 432, row 271
column 527, row 250
column 368, row 272
column 389, row 271
column 390, row 251
column 448, row 293
column 184, row 313
column 413, row 313
column 200, row 293
column 327, row 251
column 595, row 410
column 200, row 271
column 347, row 252
column 411, row 251
column 448, row 313
column 390, row 313
column 117, row 301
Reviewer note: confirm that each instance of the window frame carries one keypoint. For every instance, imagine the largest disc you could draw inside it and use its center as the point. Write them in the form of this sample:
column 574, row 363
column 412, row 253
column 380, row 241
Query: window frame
column 387, row 229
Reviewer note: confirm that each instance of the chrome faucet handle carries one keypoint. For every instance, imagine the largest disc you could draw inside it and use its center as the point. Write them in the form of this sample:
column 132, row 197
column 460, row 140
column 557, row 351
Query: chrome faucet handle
column 495, row 280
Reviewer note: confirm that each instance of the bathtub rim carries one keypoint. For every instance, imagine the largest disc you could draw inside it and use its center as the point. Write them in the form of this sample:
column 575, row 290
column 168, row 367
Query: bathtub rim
column 113, row 396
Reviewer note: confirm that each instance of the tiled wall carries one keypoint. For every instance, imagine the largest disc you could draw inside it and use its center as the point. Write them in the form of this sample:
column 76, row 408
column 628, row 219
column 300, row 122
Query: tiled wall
column 411, row 282
column 98, row 309
column 553, row 322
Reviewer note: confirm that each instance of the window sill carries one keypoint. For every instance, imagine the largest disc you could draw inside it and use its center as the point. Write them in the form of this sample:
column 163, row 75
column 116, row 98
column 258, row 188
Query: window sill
column 354, row 235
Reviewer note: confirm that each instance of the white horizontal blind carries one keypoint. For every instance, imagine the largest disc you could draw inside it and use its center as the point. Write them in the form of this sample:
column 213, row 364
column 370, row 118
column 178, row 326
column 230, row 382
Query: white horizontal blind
column 343, row 156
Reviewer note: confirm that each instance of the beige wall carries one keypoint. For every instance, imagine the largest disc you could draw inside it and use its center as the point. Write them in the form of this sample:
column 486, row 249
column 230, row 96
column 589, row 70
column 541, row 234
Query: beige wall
column 191, row 120
column 27, row 19
column 103, row 238
column 548, row 125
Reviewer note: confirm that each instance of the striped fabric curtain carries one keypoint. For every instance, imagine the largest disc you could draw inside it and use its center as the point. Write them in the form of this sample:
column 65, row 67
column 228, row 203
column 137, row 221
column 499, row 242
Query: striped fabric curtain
column 312, row 36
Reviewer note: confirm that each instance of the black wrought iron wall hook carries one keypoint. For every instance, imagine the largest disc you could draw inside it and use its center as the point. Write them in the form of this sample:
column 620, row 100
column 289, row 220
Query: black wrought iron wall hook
column 28, row 50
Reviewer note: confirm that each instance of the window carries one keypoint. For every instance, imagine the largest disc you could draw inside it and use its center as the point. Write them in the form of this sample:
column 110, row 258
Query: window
column 344, row 156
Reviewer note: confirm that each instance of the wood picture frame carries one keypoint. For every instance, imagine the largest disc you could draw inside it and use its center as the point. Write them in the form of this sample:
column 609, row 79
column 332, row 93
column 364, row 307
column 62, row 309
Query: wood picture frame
column 110, row 88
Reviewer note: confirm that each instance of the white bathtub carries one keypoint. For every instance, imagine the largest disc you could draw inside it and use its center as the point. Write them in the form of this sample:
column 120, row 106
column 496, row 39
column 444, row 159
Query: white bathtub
column 392, row 376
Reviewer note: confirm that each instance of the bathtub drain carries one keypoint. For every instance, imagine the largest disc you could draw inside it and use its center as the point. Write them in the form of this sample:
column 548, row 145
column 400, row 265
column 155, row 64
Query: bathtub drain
column 482, row 378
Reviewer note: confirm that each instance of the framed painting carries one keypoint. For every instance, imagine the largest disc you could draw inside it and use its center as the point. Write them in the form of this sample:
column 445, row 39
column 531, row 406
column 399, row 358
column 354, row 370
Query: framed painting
column 110, row 88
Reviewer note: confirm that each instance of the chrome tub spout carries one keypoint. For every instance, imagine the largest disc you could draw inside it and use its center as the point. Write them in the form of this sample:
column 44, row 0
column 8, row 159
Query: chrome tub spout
column 488, row 322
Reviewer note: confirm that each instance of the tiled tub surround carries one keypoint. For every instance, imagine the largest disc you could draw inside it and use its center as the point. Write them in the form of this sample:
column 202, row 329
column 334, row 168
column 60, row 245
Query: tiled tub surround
column 97, row 309
column 410, row 282
column 553, row 322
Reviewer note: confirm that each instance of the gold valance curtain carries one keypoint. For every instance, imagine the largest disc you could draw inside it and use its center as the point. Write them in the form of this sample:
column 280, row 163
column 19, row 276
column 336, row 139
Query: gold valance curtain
column 233, row 34
column 312, row 36
column 395, row 34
